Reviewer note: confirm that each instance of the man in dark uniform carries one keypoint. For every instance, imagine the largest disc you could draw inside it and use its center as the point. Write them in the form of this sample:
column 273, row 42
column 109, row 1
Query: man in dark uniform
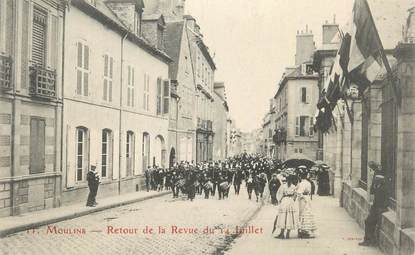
column 273, row 185
column 378, row 189
column 237, row 180
column 93, row 183
column 147, row 174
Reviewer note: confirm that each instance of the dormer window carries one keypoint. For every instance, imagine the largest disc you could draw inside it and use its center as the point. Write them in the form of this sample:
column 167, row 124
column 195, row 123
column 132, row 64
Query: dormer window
column 160, row 35
column 137, row 22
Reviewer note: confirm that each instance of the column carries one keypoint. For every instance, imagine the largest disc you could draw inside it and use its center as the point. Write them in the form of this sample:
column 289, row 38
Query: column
column 405, row 205
column 356, row 144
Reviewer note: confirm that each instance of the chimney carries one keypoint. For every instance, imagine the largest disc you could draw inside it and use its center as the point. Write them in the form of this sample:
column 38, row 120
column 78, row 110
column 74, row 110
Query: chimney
column 179, row 10
column 304, row 47
column 330, row 31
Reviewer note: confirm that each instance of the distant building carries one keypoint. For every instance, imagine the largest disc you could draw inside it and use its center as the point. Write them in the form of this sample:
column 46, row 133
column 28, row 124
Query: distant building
column 204, row 69
column 221, row 114
column 296, row 101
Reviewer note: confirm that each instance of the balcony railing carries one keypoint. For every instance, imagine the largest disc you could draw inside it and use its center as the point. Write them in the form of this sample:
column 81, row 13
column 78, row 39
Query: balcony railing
column 5, row 72
column 209, row 125
column 42, row 82
column 173, row 90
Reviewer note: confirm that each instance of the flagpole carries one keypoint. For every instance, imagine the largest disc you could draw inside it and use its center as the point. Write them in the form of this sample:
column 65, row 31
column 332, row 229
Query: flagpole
column 384, row 58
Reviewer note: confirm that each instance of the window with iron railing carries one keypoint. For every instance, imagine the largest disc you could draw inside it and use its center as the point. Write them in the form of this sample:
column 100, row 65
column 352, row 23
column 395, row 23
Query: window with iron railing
column 5, row 72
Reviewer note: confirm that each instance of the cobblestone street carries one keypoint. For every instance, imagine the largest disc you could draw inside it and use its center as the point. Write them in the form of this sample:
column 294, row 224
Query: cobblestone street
column 120, row 230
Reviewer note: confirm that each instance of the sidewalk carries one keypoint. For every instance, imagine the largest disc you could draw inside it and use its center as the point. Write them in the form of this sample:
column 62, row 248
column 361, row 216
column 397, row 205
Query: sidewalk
column 337, row 233
column 13, row 224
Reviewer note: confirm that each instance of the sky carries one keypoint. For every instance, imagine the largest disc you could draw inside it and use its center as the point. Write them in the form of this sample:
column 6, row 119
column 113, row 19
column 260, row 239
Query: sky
column 252, row 42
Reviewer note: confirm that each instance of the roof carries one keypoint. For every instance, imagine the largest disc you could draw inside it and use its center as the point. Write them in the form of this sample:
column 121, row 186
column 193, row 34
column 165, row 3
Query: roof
column 295, row 74
column 218, row 85
column 102, row 13
column 205, row 52
column 173, row 41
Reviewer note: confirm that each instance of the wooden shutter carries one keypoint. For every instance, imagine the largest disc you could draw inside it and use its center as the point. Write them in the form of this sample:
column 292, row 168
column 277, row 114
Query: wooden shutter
column 166, row 95
column 297, row 126
column 159, row 96
column 311, row 126
column 54, row 39
column 110, row 81
column 70, row 156
column 37, row 146
column 25, row 45
column 79, row 47
column 39, row 31
column 132, row 87
column 86, row 67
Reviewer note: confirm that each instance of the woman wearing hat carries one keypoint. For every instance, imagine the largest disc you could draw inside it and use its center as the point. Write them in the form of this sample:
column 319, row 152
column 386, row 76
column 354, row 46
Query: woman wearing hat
column 306, row 219
column 287, row 214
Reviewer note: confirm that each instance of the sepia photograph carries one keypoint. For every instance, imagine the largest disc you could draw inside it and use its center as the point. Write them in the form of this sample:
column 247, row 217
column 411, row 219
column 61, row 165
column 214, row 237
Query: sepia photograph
column 207, row 127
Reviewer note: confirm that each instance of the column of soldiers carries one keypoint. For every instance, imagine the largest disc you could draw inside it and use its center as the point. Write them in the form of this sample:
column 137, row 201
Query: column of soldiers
column 215, row 177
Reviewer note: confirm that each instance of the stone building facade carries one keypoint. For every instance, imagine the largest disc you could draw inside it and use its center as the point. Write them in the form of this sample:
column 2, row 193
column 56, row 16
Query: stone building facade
column 182, row 131
column 204, row 69
column 121, row 81
column 376, row 128
column 30, row 105
column 221, row 113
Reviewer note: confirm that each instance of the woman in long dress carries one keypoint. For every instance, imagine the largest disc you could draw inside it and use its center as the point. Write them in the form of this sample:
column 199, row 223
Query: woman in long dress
column 287, row 219
column 307, row 225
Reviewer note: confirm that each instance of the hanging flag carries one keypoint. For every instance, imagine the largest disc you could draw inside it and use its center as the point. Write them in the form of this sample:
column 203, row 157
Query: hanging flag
column 365, row 59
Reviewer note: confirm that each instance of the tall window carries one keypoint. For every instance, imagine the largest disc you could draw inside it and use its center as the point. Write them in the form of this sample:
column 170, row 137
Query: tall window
column 39, row 36
column 106, row 153
column 304, row 95
column 129, row 153
column 186, row 64
column 108, row 72
column 130, row 86
column 146, row 151
column 198, row 64
column 166, row 96
column 82, row 69
column 303, row 126
column 203, row 72
column 159, row 96
column 81, row 153
column 137, row 23
column 37, row 145
column 146, row 92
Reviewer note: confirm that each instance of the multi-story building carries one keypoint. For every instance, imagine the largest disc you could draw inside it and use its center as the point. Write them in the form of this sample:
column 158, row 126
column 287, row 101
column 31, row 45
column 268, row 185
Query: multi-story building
column 295, row 101
column 30, row 104
column 120, row 80
column 204, row 68
column 182, row 131
column 221, row 114
column 330, row 142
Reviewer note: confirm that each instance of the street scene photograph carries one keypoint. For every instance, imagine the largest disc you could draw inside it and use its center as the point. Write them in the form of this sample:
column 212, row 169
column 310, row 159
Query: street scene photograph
column 222, row 127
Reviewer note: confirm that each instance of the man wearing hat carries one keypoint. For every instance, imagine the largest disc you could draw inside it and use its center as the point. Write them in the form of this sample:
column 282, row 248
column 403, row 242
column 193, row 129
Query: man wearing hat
column 93, row 182
column 378, row 189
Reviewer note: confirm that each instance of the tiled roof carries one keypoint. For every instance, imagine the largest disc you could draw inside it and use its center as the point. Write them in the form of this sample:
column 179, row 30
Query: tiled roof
column 173, row 40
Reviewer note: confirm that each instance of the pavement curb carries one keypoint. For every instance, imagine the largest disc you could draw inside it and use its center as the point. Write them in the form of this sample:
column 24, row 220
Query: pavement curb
column 72, row 215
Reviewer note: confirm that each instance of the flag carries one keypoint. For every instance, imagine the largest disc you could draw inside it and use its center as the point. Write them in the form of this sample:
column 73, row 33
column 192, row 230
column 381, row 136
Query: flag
column 365, row 54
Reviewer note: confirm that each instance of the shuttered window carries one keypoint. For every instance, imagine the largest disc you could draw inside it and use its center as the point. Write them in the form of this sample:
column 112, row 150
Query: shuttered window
column 108, row 73
column 37, row 145
column 311, row 126
column 166, row 96
column 106, row 153
column 130, row 86
column 129, row 154
column 82, row 148
column 39, row 36
column 159, row 96
column 297, row 126
column 146, row 92
column 82, row 69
